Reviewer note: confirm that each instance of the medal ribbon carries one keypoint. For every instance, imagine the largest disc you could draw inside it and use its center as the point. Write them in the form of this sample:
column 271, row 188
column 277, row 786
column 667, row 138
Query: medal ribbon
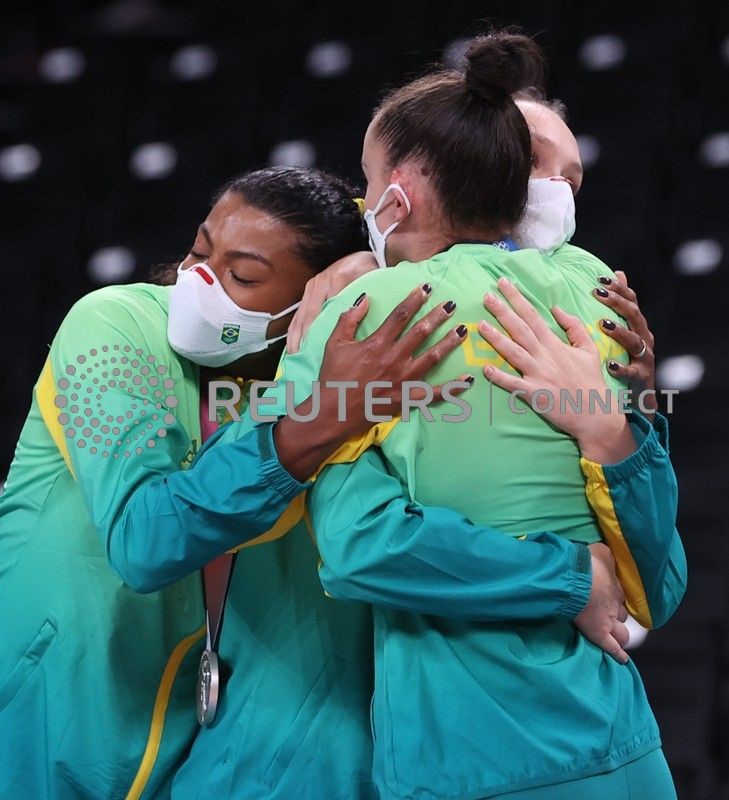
column 217, row 574
column 216, row 582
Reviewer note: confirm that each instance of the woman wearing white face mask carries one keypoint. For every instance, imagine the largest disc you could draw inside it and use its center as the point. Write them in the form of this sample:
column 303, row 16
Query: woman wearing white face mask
column 556, row 165
column 293, row 718
column 548, row 222
column 468, row 709
column 96, row 678
column 241, row 754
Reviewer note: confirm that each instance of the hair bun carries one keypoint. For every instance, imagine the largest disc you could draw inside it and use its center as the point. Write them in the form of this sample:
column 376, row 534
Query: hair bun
column 501, row 63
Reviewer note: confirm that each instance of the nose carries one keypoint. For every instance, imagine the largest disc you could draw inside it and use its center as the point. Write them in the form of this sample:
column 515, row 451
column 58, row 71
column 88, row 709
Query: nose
column 205, row 275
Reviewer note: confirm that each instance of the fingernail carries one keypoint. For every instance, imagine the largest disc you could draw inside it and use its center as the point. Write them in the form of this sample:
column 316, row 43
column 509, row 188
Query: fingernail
column 427, row 288
column 502, row 281
column 461, row 330
column 602, row 292
column 490, row 298
column 609, row 324
column 470, row 379
column 613, row 366
column 449, row 307
column 359, row 299
column 606, row 281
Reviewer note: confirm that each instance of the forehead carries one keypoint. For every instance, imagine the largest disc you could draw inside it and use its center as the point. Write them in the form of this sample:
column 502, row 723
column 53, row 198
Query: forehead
column 371, row 145
column 232, row 216
column 235, row 225
column 548, row 129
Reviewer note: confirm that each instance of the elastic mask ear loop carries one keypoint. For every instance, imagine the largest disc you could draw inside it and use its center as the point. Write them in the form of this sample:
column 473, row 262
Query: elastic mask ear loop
column 278, row 316
column 285, row 311
column 392, row 187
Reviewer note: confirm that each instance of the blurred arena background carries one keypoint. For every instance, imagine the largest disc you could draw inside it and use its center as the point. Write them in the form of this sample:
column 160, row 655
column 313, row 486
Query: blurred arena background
column 119, row 119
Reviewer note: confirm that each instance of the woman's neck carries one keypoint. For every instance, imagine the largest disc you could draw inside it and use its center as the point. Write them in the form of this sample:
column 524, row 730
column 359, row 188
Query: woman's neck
column 422, row 246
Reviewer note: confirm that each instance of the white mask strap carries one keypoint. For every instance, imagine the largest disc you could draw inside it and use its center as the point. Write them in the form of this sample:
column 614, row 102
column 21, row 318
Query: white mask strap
column 278, row 316
column 285, row 311
column 393, row 187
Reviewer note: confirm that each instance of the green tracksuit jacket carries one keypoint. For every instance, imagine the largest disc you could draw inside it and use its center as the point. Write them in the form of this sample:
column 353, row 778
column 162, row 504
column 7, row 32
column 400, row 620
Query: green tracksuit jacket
column 96, row 679
column 100, row 606
column 465, row 709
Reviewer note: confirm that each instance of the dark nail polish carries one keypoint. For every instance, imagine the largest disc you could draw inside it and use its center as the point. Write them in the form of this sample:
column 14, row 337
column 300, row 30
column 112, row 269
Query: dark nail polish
column 461, row 330
column 449, row 307
column 602, row 292
column 427, row 288
column 613, row 366
column 609, row 324
column 606, row 281
column 470, row 379
column 359, row 299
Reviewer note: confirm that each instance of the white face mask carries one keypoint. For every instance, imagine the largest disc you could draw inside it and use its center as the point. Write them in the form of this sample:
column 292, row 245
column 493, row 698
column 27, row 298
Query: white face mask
column 207, row 327
column 378, row 239
column 549, row 217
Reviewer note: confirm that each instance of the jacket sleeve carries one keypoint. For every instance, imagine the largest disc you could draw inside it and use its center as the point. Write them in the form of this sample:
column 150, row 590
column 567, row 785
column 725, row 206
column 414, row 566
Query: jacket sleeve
column 157, row 521
column 173, row 525
column 378, row 547
column 636, row 502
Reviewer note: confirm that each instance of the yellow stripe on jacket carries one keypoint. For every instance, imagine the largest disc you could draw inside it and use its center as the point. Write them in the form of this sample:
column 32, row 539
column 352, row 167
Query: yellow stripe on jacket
column 598, row 495
column 46, row 393
column 161, row 702
column 350, row 451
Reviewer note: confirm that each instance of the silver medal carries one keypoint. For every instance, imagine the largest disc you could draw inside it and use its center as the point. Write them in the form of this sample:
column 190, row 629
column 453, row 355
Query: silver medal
column 208, row 686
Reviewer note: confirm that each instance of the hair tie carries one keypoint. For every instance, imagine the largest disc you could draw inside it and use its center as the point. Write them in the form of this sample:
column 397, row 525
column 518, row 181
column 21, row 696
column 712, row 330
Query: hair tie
column 360, row 203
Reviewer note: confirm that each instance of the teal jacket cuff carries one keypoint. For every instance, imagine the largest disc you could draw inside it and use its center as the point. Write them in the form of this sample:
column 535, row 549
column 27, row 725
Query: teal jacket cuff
column 272, row 471
column 581, row 583
column 650, row 448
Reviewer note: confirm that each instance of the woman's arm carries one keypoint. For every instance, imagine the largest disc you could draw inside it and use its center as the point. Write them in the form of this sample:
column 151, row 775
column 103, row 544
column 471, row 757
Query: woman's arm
column 378, row 547
column 321, row 287
column 636, row 502
column 157, row 521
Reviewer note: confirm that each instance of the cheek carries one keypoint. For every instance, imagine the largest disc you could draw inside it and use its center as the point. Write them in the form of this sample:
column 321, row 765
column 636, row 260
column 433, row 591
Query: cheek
column 372, row 195
column 272, row 296
column 281, row 296
column 252, row 298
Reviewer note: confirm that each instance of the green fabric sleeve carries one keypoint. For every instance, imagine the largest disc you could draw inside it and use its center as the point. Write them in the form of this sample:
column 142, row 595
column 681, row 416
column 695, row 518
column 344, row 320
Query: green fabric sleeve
column 378, row 547
column 157, row 521
column 233, row 492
